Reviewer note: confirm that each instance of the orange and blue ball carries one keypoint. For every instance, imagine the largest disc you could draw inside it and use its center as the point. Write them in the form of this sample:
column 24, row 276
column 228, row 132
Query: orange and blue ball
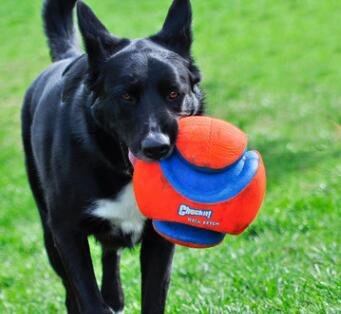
column 211, row 185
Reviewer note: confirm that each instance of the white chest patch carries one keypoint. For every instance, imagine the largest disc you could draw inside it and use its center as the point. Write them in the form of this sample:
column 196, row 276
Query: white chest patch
column 122, row 212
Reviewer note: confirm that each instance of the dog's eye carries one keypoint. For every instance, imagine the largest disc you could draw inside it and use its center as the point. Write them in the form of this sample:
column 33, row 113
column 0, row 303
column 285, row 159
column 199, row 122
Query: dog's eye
column 127, row 97
column 172, row 95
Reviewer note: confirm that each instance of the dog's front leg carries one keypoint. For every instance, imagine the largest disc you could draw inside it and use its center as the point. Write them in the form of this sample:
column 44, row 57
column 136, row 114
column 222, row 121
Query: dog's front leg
column 73, row 248
column 111, row 280
column 156, row 261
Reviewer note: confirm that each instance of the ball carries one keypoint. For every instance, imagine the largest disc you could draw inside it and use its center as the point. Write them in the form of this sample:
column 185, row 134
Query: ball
column 211, row 185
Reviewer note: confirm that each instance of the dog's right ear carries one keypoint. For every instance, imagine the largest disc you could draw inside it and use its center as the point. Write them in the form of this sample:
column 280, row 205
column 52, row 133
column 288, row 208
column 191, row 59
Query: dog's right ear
column 176, row 33
column 99, row 43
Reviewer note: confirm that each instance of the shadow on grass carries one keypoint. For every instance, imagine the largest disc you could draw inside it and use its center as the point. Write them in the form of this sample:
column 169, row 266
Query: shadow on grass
column 282, row 162
column 283, row 165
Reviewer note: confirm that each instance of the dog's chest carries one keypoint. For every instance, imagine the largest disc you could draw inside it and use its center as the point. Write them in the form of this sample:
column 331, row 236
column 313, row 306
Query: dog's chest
column 122, row 212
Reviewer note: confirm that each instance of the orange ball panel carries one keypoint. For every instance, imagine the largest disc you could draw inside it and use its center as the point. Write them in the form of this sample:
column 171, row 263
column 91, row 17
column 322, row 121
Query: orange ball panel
column 210, row 143
column 157, row 199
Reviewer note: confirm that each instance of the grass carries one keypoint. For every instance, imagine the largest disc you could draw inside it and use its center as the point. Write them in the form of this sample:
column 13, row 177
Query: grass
column 270, row 67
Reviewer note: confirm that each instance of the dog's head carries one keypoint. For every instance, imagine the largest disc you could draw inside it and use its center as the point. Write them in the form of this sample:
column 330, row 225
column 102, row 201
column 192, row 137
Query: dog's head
column 143, row 86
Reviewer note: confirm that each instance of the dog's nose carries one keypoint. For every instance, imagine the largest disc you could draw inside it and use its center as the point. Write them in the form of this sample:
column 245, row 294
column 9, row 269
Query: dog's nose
column 155, row 146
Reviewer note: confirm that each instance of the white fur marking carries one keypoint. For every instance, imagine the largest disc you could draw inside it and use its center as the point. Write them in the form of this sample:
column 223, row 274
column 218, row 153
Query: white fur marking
column 190, row 104
column 153, row 125
column 122, row 212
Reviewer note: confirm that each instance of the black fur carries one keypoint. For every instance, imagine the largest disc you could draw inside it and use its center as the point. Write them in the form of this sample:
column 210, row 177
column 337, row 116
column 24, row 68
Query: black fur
column 79, row 119
column 59, row 29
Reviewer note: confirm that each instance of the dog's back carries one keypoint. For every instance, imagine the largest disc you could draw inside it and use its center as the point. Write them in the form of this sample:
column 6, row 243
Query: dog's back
column 58, row 23
column 59, row 28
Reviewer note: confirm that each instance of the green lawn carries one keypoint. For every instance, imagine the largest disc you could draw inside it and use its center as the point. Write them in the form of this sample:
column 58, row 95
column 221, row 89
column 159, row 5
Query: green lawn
column 271, row 67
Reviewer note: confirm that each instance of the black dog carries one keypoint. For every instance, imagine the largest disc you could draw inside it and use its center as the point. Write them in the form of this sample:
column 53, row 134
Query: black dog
column 79, row 119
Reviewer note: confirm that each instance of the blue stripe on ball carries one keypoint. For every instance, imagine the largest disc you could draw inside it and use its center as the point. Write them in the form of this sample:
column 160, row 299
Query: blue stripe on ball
column 207, row 187
column 188, row 234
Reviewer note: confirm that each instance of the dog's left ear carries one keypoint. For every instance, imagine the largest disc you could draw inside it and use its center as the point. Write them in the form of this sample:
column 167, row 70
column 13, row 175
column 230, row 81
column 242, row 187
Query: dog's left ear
column 176, row 33
column 99, row 43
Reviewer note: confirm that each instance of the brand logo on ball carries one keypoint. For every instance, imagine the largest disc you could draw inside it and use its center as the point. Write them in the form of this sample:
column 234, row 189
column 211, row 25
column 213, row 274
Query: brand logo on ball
column 185, row 210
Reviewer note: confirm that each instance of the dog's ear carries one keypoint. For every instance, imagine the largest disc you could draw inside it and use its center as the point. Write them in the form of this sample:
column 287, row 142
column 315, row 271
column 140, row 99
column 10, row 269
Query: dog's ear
column 99, row 43
column 176, row 33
